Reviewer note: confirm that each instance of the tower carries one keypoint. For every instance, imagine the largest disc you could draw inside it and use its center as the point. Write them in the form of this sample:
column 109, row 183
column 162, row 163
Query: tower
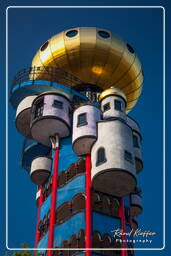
column 82, row 149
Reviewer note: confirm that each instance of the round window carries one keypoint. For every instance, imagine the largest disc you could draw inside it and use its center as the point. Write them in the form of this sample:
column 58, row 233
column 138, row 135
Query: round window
column 72, row 33
column 103, row 34
column 130, row 48
column 44, row 46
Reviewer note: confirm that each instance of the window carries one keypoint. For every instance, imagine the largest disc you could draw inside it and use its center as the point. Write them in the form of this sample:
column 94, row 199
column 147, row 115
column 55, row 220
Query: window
column 39, row 109
column 103, row 34
column 130, row 48
column 58, row 104
column 106, row 107
column 135, row 141
column 101, row 158
column 82, row 119
column 118, row 105
column 128, row 156
column 72, row 33
column 44, row 46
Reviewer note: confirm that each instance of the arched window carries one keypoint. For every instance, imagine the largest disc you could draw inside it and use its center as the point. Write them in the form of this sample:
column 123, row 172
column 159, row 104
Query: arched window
column 101, row 158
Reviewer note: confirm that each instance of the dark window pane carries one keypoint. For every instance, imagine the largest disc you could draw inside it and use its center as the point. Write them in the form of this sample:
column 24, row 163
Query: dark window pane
column 118, row 105
column 101, row 158
column 103, row 34
column 39, row 109
column 58, row 104
column 135, row 141
column 82, row 119
column 106, row 107
column 44, row 46
column 130, row 48
column 72, row 33
column 128, row 156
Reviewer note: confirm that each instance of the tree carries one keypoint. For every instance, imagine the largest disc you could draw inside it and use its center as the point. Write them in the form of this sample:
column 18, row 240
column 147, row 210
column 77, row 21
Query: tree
column 21, row 253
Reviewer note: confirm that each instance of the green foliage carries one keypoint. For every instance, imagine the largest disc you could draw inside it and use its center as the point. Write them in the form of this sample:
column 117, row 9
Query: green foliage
column 21, row 253
column 24, row 253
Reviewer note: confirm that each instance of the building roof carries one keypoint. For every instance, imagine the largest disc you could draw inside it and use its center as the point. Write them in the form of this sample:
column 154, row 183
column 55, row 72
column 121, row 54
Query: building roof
column 95, row 56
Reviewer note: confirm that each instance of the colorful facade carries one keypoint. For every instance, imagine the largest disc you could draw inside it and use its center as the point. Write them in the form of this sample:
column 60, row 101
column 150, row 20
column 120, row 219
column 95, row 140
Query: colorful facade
column 82, row 150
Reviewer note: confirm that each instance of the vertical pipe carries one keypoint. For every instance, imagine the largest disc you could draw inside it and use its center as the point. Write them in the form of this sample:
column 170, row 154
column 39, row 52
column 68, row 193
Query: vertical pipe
column 53, row 201
column 123, row 227
column 40, row 202
column 88, row 242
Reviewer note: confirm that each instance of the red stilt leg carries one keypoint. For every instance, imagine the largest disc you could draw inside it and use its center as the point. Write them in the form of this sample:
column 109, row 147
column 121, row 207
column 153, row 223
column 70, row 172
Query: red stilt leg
column 130, row 219
column 40, row 202
column 88, row 242
column 53, row 202
column 123, row 227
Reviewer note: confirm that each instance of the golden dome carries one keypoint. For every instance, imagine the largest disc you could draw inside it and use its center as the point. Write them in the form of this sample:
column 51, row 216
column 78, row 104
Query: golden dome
column 95, row 56
column 112, row 91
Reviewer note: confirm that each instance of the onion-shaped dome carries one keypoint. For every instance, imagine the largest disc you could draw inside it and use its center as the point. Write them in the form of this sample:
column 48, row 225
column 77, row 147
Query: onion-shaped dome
column 96, row 57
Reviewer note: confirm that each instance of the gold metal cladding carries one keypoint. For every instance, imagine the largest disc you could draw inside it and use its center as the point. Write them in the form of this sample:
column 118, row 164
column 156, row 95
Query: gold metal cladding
column 94, row 60
column 112, row 91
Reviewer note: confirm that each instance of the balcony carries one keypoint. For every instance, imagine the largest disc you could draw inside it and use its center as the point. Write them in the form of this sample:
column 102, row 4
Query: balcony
column 36, row 80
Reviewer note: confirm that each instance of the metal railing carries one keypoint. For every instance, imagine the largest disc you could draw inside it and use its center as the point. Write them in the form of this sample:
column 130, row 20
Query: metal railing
column 51, row 74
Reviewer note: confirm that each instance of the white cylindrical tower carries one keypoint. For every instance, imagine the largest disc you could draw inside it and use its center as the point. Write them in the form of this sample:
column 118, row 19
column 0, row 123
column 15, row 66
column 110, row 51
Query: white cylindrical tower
column 85, row 120
column 113, row 104
column 50, row 116
column 23, row 116
column 136, row 143
column 40, row 169
column 113, row 165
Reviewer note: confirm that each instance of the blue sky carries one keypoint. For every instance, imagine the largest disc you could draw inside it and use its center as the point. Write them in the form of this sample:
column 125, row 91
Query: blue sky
column 143, row 29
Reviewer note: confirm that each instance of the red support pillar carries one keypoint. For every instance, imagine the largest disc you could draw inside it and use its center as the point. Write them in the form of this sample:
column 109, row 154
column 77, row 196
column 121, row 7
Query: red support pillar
column 88, row 242
column 123, row 226
column 53, row 202
column 130, row 219
column 40, row 202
